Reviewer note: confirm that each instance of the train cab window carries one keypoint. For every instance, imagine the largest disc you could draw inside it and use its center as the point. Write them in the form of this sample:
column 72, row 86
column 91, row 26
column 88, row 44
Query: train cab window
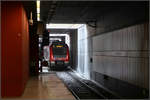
column 59, row 49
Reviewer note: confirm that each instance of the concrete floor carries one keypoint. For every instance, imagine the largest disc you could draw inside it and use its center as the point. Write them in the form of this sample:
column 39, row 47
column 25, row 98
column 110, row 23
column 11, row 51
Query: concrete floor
column 46, row 86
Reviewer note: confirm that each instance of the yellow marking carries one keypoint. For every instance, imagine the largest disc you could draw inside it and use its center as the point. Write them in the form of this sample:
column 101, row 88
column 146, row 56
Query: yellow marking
column 59, row 46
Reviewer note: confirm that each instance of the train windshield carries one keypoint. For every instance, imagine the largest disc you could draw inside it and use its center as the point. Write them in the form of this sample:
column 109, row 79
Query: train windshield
column 59, row 49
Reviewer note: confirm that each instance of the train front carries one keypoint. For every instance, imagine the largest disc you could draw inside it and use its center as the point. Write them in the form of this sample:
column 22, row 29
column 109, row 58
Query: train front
column 59, row 55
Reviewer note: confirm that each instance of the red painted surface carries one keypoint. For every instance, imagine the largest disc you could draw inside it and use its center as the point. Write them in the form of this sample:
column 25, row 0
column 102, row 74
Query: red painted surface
column 62, row 59
column 15, row 49
column 51, row 54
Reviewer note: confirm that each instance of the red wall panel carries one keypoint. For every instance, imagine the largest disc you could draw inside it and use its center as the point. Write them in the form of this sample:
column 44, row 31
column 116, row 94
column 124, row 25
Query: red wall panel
column 3, row 30
column 25, row 47
column 14, row 49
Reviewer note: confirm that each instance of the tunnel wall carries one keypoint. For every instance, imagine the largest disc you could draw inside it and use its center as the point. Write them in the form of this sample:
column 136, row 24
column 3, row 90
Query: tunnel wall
column 120, row 45
column 73, row 48
column 123, row 54
column 15, row 53
column 84, row 51
column 118, row 48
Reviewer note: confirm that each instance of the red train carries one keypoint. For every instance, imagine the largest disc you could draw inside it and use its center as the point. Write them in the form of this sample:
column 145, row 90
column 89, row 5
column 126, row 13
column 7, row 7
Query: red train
column 59, row 55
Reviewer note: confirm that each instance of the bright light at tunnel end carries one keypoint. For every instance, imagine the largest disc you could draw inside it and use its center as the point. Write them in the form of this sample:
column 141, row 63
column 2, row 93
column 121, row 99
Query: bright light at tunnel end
column 63, row 26
column 67, row 38
column 82, row 46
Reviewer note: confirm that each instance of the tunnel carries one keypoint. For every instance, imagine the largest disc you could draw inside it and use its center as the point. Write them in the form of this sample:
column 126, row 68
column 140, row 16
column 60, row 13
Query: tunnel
column 75, row 49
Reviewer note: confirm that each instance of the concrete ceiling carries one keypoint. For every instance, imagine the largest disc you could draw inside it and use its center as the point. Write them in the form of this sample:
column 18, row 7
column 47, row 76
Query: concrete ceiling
column 71, row 11
column 79, row 11
column 75, row 11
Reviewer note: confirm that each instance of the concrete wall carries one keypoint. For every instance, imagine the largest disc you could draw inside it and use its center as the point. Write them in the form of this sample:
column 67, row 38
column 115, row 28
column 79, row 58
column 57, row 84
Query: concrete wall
column 84, row 40
column 73, row 48
column 82, row 67
column 118, row 46
column 123, row 54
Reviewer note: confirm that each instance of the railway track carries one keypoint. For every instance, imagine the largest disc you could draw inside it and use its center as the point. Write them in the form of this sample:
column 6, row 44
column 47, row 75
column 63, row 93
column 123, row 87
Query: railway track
column 82, row 89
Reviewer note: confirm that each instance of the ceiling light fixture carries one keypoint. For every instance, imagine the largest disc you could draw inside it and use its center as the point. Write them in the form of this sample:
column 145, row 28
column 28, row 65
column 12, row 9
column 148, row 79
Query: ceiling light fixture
column 63, row 26
column 38, row 10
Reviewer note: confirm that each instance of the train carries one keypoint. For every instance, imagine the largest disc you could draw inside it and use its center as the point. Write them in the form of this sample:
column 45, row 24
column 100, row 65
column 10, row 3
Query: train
column 59, row 55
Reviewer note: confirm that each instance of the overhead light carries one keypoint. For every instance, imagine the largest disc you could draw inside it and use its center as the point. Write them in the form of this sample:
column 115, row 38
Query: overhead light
column 38, row 10
column 38, row 17
column 63, row 26
column 38, row 4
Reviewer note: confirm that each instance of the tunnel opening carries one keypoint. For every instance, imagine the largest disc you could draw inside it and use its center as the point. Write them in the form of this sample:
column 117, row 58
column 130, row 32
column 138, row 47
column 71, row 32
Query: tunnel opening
column 77, row 42
column 61, row 32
